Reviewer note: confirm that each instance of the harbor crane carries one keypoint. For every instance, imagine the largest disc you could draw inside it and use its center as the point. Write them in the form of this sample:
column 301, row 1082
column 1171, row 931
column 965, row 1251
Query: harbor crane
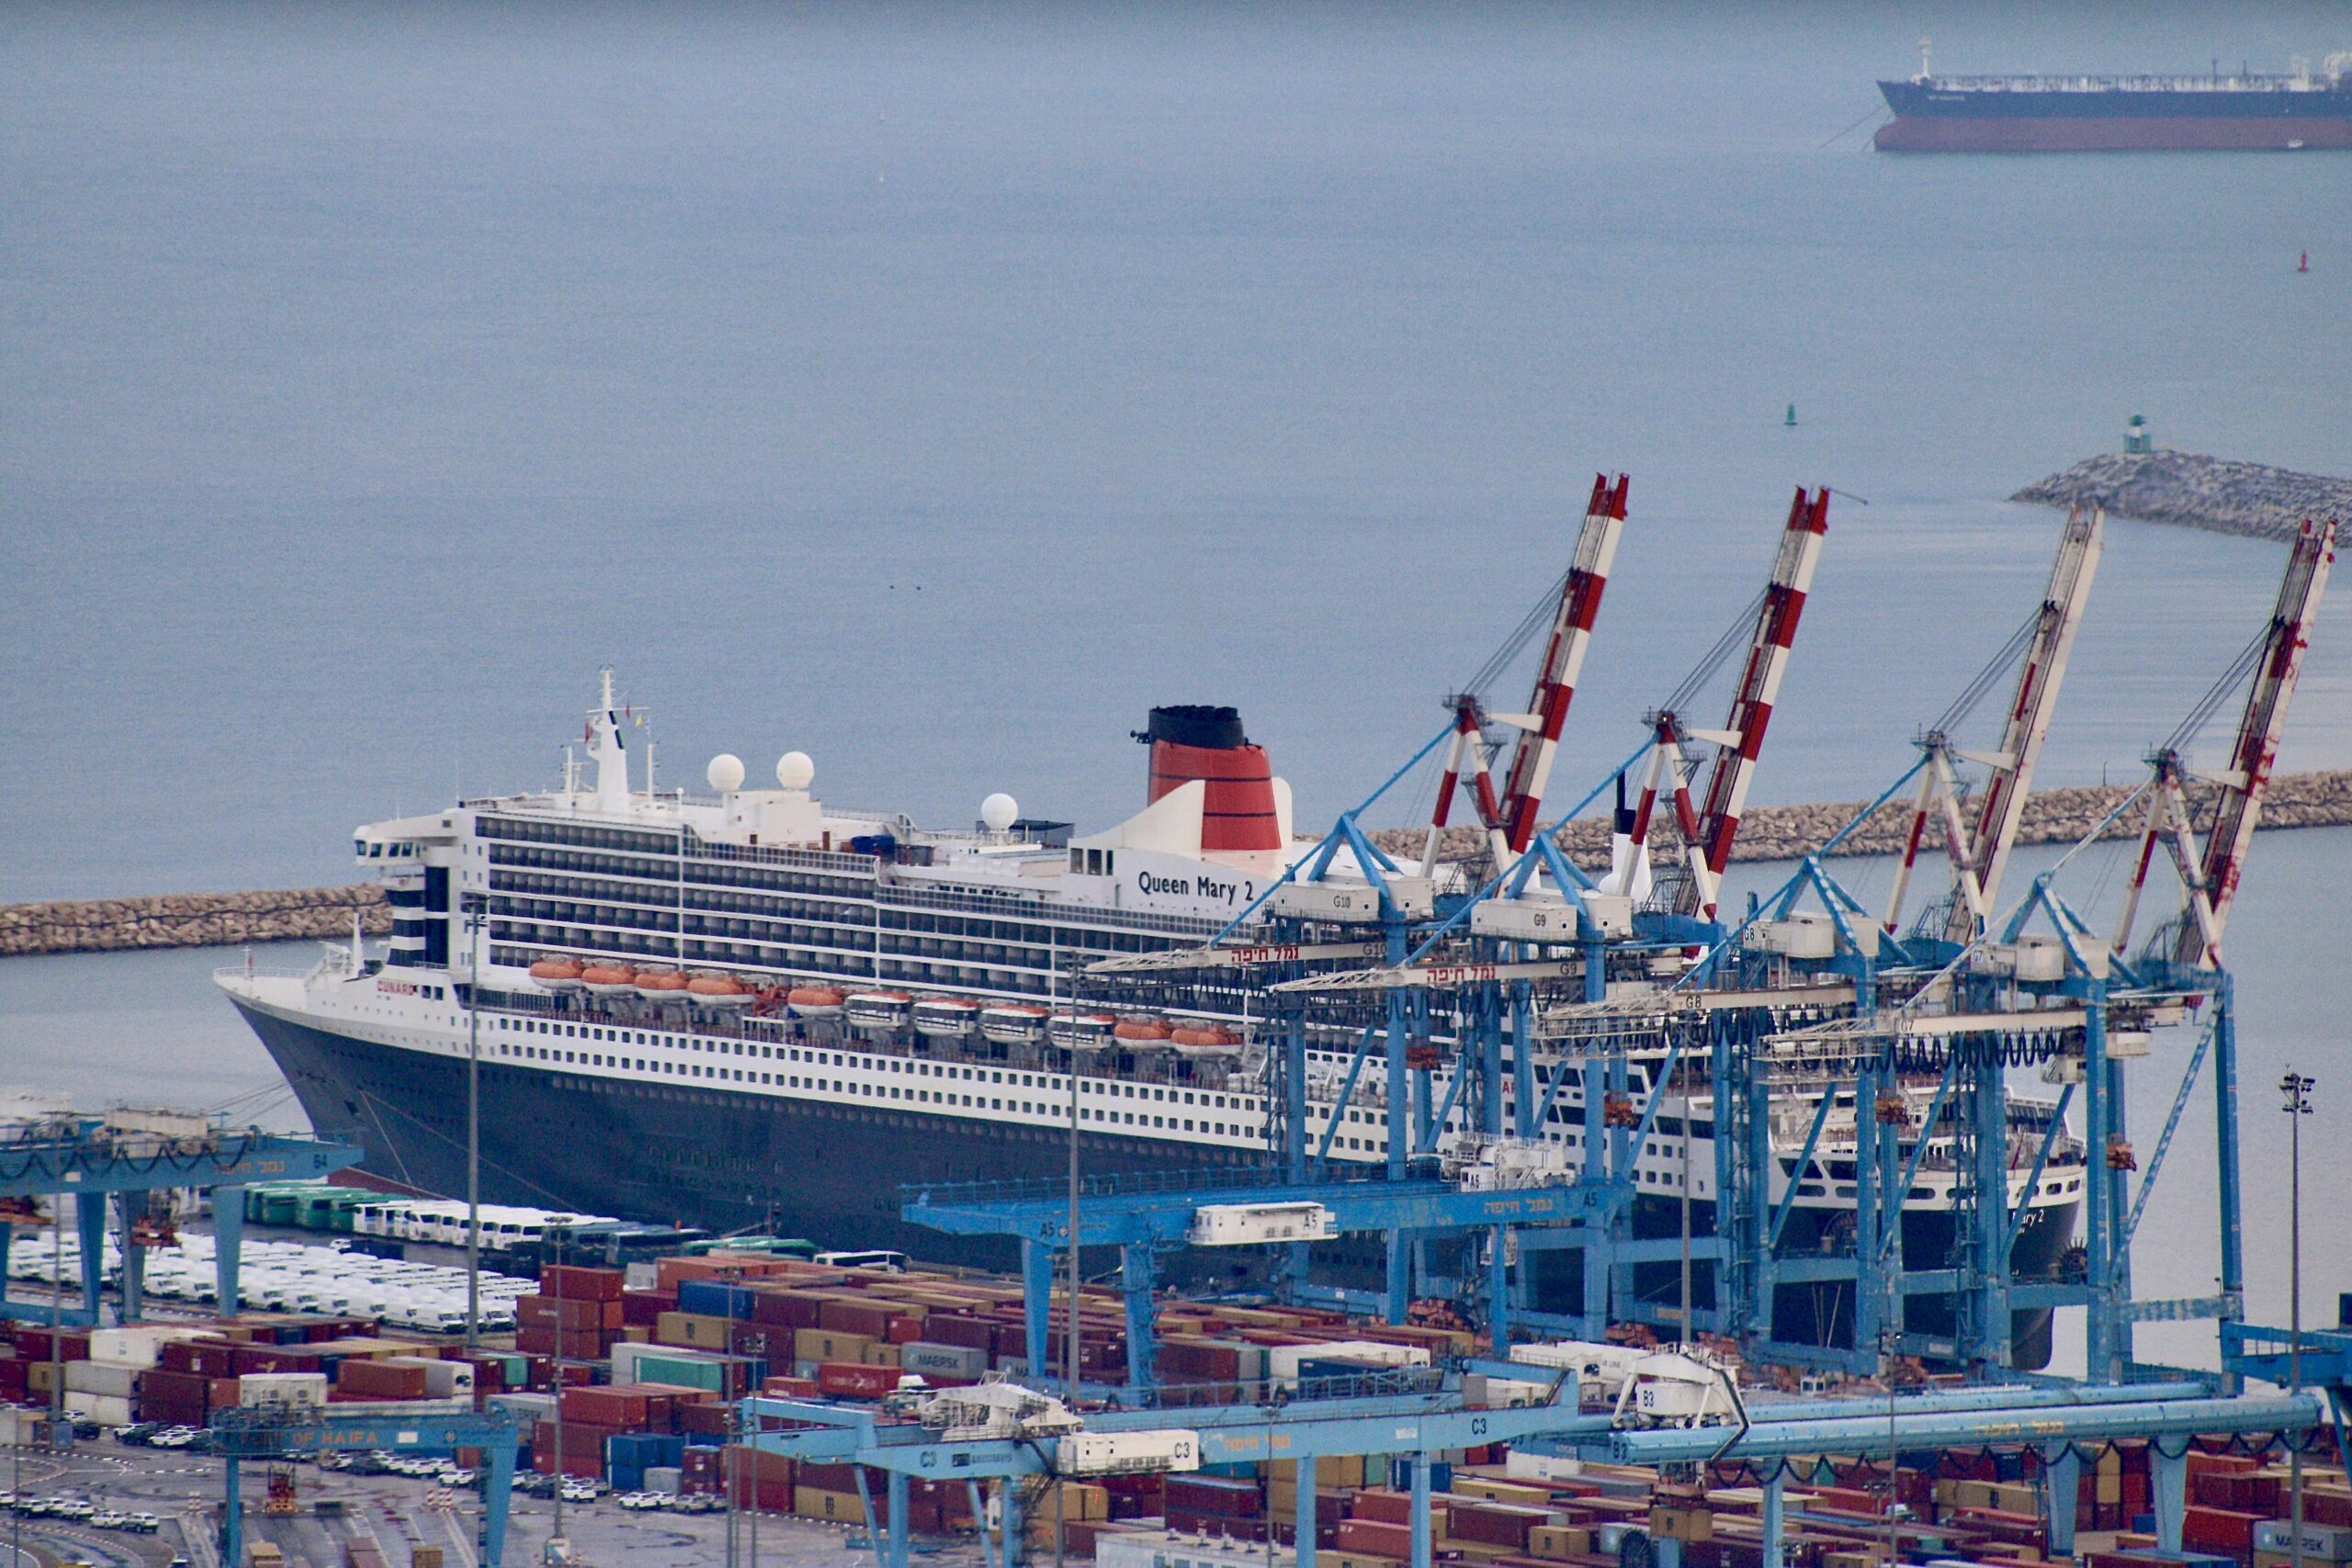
column 2210, row 879
column 1556, row 678
column 1708, row 830
column 1979, row 854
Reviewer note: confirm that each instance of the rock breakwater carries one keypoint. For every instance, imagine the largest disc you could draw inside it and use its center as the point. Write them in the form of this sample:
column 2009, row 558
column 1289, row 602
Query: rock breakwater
column 2193, row 491
column 1784, row 832
column 192, row 919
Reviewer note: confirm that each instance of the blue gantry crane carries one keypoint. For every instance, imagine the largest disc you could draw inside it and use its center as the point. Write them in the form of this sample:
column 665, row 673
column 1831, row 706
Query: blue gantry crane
column 103, row 1167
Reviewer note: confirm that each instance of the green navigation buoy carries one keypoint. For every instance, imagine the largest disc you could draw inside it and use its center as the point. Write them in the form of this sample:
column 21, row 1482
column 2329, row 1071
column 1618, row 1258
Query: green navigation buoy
column 1790, row 423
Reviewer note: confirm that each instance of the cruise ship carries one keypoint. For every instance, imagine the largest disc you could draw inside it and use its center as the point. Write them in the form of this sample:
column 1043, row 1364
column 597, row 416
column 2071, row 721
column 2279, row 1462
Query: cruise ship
column 749, row 1008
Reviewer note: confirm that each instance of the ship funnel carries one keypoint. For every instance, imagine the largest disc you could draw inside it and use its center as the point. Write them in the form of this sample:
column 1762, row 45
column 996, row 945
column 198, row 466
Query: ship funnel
column 1190, row 741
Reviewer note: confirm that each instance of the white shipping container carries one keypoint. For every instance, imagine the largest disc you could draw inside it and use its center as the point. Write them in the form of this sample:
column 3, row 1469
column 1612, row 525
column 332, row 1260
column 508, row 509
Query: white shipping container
column 1130, row 1453
column 111, row 1379
column 1281, row 1360
column 2324, row 1543
column 445, row 1379
column 1520, row 1464
column 947, row 1360
column 287, row 1391
column 662, row 1478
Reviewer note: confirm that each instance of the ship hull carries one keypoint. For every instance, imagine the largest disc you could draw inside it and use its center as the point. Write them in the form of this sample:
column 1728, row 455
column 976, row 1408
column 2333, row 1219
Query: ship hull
column 2134, row 133
column 662, row 1151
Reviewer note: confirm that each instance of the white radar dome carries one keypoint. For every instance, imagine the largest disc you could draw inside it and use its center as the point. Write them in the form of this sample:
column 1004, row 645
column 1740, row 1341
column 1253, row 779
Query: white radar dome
column 726, row 772
column 793, row 769
column 1000, row 811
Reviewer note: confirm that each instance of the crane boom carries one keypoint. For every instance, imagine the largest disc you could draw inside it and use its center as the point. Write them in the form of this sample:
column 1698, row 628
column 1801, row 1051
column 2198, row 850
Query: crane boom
column 1556, row 678
column 1979, row 861
column 2255, row 749
column 1742, row 737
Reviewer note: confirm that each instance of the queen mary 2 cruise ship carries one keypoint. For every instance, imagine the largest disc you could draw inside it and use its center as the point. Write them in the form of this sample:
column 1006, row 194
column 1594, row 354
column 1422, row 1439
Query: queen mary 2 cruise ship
column 751, row 1008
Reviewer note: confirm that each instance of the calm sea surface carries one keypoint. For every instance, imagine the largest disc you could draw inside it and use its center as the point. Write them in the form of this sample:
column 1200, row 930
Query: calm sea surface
column 934, row 390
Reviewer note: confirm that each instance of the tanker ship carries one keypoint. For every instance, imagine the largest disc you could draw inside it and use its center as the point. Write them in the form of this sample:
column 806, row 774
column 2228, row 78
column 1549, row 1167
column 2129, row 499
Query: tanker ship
column 2244, row 112
column 751, row 1008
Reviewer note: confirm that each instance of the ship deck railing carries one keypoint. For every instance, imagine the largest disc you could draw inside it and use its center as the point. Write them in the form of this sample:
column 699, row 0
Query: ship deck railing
column 2130, row 83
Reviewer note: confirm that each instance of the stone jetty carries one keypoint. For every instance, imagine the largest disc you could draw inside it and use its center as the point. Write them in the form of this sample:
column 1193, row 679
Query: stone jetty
column 192, row 919
column 2183, row 488
column 1784, row 832
column 1768, row 833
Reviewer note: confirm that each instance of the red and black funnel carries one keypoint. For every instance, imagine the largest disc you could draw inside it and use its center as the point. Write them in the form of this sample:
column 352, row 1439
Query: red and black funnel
column 1190, row 741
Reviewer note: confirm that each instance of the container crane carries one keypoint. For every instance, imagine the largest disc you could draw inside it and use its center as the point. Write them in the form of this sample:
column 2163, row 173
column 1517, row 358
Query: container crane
column 2210, row 880
column 1556, row 678
column 1708, row 830
column 1979, row 854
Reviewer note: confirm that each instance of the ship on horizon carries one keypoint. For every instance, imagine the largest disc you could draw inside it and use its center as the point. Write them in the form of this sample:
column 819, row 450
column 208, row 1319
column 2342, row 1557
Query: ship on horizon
column 2245, row 111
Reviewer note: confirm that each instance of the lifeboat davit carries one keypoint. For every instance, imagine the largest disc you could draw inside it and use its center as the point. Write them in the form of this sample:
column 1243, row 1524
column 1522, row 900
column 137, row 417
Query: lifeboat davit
column 1203, row 1039
column 813, row 1001
column 608, row 980
column 661, row 985
column 1082, row 1032
column 556, row 974
column 1141, row 1032
column 946, row 1017
column 1013, row 1023
column 719, row 991
column 878, row 1012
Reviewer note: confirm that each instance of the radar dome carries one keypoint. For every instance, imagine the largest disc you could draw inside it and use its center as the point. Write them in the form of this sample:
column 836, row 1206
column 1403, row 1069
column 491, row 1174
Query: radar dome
column 1000, row 811
column 726, row 772
column 793, row 769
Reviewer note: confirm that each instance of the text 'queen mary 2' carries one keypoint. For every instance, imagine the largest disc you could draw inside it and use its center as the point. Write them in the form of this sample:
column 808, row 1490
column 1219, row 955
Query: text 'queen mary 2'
column 752, row 1007
column 2245, row 112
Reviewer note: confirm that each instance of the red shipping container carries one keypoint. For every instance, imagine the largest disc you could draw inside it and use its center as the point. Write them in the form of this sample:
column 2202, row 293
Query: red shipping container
column 854, row 1380
column 703, row 1420
column 971, row 1333
column 549, row 1312
column 786, row 1309
column 622, row 1409
column 381, row 1379
column 845, row 1316
column 1496, row 1523
column 1380, row 1504
column 790, row 1388
column 1377, row 1538
column 573, row 1283
column 2221, row 1530
column 643, row 1309
column 1216, row 1525
column 1217, row 1496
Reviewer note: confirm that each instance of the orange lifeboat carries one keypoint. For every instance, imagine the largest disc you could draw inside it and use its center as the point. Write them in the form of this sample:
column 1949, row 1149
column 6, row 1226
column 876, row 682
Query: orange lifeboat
column 813, row 1001
column 556, row 974
column 661, row 985
column 1140, row 1032
column 1208, row 1039
column 608, row 979
column 720, row 991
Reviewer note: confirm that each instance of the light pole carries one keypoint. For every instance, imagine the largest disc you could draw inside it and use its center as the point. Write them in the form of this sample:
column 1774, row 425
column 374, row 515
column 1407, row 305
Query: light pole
column 474, row 1130
column 2297, row 1087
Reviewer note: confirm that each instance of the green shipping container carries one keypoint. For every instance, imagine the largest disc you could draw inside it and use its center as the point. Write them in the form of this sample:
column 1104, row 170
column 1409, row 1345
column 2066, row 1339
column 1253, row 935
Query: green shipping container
column 686, row 1374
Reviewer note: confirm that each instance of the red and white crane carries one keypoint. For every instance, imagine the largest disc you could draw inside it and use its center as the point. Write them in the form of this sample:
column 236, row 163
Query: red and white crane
column 2210, row 879
column 1708, row 829
column 1980, row 854
column 1556, row 679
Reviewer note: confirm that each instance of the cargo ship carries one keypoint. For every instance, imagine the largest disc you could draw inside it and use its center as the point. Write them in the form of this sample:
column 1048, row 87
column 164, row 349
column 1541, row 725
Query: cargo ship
column 754, row 1008
column 2244, row 112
